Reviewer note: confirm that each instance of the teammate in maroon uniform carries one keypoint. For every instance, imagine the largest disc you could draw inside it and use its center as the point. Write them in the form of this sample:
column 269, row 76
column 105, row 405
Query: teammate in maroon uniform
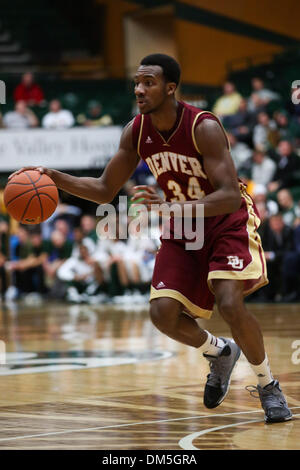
column 188, row 153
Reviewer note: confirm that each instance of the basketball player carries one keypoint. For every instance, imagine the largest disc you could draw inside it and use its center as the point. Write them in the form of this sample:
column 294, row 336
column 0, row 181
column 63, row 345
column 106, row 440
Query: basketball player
column 188, row 153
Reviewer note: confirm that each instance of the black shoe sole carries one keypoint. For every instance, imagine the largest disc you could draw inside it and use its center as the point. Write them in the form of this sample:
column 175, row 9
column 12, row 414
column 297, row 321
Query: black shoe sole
column 282, row 420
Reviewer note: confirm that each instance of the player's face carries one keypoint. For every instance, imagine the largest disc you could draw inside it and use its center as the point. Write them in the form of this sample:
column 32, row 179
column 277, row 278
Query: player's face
column 151, row 89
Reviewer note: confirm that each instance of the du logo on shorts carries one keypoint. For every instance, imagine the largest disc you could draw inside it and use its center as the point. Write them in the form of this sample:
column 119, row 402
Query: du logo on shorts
column 235, row 262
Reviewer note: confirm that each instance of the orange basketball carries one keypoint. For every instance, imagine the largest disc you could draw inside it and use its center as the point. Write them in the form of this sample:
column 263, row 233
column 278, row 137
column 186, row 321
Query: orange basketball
column 30, row 197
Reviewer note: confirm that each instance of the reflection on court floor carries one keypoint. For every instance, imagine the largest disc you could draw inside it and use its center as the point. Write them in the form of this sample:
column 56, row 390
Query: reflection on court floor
column 102, row 377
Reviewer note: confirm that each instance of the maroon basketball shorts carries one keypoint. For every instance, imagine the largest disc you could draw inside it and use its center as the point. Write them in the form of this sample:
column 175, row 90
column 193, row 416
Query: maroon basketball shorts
column 231, row 250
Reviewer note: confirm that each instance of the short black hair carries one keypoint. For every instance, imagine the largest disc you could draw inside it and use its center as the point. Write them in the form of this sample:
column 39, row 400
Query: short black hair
column 171, row 68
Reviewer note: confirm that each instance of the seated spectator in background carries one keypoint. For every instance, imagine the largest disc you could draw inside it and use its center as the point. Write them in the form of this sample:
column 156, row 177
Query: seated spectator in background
column 284, row 129
column 291, row 268
column 259, row 196
column 264, row 132
column 94, row 116
column 36, row 260
column 80, row 272
column 27, row 269
column 240, row 151
column 293, row 103
column 277, row 241
column 263, row 214
column 21, row 118
column 142, row 248
column 229, row 102
column 88, row 225
column 288, row 168
column 62, row 226
column 241, row 123
column 59, row 251
column 57, row 118
column 293, row 108
column 29, row 91
column 289, row 209
column 67, row 212
column 260, row 96
column 260, row 168
column 116, row 266
column 4, row 252
column 80, row 239
column 142, row 173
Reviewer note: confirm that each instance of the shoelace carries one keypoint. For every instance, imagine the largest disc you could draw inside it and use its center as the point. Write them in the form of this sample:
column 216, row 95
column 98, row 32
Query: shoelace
column 253, row 391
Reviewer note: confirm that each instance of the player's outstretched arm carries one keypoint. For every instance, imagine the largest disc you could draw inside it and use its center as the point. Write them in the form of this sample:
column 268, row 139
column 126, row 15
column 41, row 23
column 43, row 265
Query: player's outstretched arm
column 219, row 168
column 100, row 190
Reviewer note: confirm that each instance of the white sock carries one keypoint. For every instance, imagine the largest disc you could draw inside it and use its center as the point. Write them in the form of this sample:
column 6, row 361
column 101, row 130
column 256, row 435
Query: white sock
column 212, row 346
column 263, row 372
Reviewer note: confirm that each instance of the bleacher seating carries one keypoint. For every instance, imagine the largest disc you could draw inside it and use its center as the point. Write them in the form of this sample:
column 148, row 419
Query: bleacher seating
column 40, row 30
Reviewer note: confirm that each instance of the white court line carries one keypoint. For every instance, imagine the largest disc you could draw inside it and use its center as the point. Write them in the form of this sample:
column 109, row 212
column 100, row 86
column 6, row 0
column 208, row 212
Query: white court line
column 186, row 442
column 112, row 426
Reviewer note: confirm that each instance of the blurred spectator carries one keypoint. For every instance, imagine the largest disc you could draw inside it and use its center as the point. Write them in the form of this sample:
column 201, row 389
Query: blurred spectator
column 293, row 103
column 259, row 196
column 36, row 260
column 21, row 118
column 29, row 91
column 59, row 251
column 264, row 132
column 263, row 213
column 79, row 272
column 285, row 129
column 229, row 102
column 142, row 173
column 80, row 239
column 240, row 151
column 116, row 264
column 289, row 209
column 288, row 168
column 241, row 123
column 291, row 268
column 23, row 273
column 4, row 252
column 260, row 168
column 277, row 241
column 62, row 226
column 57, row 118
column 88, row 225
column 142, row 248
column 260, row 96
column 94, row 116
column 67, row 212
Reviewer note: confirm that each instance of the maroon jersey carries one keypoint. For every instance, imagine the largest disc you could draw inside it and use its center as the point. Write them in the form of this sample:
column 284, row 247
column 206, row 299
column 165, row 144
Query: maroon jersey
column 232, row 247
column 176, row 162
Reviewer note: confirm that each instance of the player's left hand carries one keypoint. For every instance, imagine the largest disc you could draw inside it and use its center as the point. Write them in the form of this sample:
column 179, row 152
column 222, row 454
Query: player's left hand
column 146, row 195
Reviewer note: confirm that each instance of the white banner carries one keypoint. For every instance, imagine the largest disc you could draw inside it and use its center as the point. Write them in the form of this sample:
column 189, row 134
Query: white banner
column 77, row 148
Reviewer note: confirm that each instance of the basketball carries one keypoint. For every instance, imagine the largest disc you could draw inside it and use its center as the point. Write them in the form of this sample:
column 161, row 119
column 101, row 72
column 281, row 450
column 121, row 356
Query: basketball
column 30, row 197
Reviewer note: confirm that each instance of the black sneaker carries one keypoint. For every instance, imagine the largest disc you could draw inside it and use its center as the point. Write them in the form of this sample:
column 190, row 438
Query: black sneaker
column 273, row 402
column 221, row 367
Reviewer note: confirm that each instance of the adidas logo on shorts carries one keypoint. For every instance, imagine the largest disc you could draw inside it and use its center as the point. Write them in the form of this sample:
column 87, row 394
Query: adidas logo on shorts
column 160, row 285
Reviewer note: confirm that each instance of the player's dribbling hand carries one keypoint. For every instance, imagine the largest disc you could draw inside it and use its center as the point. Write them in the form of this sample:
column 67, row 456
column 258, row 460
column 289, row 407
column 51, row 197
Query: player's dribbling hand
column 41, row 169
column 146, row 195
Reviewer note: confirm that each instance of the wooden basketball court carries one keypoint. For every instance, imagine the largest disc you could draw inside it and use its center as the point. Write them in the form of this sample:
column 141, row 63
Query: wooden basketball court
column 102, row 377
